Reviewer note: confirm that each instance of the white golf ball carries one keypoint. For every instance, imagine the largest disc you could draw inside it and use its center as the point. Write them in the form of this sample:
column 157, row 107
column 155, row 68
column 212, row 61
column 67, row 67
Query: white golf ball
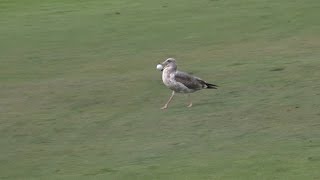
column 159, row 67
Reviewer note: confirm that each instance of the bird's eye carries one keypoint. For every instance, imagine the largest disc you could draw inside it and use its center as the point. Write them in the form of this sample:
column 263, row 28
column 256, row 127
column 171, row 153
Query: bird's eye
column 169, row 61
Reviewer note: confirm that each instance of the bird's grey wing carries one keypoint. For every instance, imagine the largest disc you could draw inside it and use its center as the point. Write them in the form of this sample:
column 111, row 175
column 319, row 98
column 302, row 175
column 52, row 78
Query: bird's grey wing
column 189, row 81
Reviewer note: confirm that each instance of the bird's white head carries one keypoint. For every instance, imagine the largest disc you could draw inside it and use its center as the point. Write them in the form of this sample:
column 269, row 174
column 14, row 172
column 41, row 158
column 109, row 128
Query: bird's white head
column 169, row 63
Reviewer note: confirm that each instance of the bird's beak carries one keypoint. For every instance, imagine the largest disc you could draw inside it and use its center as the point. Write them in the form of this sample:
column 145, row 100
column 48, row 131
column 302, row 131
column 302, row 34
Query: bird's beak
column 162, row 66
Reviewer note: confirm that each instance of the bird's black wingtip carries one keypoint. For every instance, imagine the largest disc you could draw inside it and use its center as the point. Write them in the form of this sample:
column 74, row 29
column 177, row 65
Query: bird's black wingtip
column 211, row 86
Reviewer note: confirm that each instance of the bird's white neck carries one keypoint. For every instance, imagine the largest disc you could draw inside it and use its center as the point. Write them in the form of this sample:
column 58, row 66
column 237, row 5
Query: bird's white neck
column 167, row 75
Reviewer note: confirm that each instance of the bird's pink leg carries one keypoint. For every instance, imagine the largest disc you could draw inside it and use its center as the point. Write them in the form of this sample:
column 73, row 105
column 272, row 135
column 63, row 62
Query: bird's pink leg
column 190, row 102
column 166, row 105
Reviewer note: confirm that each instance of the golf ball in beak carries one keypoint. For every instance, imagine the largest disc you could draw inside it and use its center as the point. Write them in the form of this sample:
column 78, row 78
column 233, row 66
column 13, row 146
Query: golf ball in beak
column 159, row 67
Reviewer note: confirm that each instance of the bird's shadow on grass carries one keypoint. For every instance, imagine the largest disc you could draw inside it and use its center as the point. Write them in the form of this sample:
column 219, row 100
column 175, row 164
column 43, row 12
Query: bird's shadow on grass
column 204, row 103
column 101, row 171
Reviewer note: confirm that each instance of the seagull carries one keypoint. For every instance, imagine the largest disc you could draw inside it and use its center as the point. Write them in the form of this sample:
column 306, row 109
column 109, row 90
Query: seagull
column 180, row 82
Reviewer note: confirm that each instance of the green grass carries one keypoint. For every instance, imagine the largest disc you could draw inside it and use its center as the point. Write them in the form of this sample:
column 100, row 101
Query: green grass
column 80, row 95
